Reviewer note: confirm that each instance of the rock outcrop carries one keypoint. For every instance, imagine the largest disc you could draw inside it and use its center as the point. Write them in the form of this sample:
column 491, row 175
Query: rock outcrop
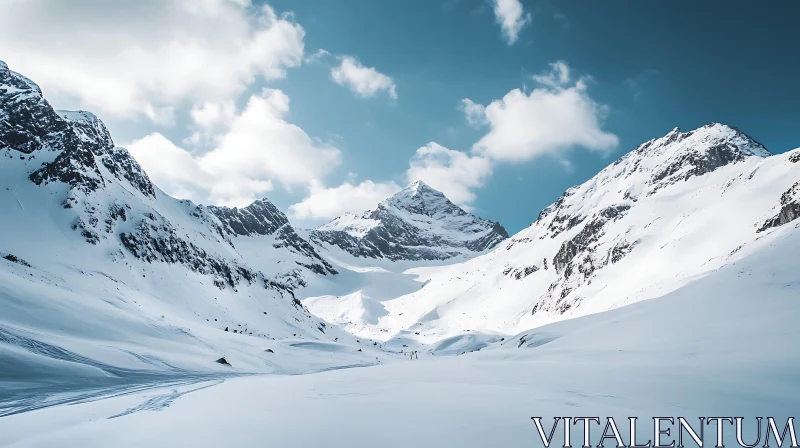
column 417, row 223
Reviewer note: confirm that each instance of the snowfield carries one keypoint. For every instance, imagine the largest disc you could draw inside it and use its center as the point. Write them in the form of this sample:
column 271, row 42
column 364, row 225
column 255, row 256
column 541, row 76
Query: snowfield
column 719, row 346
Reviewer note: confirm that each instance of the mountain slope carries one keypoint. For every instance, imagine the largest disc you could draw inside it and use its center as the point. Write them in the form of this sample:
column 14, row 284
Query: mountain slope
column 673, row 210
column 658, row 357
column 417, row 223
column 99, row 263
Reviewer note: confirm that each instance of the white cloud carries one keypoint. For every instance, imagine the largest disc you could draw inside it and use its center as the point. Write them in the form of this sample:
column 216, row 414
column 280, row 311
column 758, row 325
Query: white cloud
column 173, row 169
column 327, row 203
column 317, row 56
column 148, row 57
column 473, row 112
column 211, row 114
column 553, row 118
column 511, row 17
column 258, row 148
column 210, row 119
column 557, row 76
column 363, row 81
column 452, row 172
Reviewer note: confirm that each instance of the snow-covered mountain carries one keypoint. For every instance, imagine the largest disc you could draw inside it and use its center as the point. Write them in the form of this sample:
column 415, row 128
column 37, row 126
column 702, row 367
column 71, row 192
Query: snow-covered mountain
column 106, row 188
column 664, row 215
column 417, row 223
column 101, row 266
column 657, row 357
column 104, row 278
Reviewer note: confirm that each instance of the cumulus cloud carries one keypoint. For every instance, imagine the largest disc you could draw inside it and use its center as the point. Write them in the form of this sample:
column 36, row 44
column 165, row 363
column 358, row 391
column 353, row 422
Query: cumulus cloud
column 327, row 203
column 473, row 112
column 365, row 82
column 211, row 114
column 146, row 57
column 209, row 119
column 557, row 76
column 511, row 17
column 552, row 119
column 172, row 168
column 317, row 56
column 555, row 117
column 258, row 147
column 454, row 173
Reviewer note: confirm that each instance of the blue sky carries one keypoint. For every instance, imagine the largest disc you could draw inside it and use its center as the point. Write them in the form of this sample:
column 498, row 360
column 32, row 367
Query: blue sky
column 642, row 67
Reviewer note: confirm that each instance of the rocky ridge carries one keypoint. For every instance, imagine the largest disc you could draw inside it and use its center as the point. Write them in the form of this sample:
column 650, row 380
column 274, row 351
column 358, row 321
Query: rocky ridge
column 417, row 223
column 112, row 199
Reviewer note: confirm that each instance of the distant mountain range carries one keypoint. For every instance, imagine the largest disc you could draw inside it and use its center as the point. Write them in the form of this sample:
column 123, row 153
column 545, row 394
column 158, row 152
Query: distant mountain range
column 671, row 211
column 97, row 262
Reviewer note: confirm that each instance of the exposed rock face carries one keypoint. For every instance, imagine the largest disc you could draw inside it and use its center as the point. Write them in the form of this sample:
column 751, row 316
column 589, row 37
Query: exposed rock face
column 107, row 188
column 78, row 139
column 287, row 237
column 648, row 169
column 94, row 135
column 120, row 163
column 89, row 129
column 15, row 259
column 259, row 218
column 790, row 209
column 156, row 240
column 27, row 122
column 679, row 156
column 521, row 272
column 583, row 241
column 75, row 165
column 418, row 223
column 639, row 199
column 672, row 211
column 263, row 218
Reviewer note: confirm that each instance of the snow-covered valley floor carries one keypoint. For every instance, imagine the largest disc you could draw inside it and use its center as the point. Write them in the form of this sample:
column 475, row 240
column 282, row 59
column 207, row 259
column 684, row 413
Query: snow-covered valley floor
column 724, row 345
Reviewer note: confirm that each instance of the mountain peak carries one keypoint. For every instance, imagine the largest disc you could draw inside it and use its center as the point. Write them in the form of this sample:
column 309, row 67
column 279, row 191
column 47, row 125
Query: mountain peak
column 420, row 186
column 421, row 224
column 421, row 199
column 77, row 115
column 655, row 165
column 681, row 155
column 261, row 217
column 14, row 82
column 710, row 137
column 90, row 129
